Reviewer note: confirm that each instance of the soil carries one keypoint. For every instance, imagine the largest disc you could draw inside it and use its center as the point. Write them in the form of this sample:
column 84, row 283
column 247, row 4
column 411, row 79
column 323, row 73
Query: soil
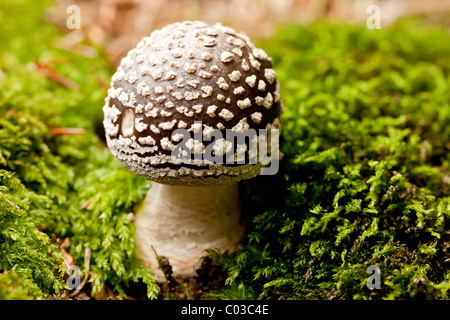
column 210, row 277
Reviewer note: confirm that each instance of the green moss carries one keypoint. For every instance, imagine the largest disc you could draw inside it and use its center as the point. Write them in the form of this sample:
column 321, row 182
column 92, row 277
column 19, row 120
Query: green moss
column 364, row 177
column 28, row 199
column 46, row 181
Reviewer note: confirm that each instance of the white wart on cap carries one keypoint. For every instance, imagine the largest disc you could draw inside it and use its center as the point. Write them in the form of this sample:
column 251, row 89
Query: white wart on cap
column 182, row 75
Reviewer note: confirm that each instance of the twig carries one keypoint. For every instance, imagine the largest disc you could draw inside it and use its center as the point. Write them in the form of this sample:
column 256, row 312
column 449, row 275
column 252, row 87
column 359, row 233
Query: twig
column 53, row 74
column 67, row 131
column 11, row 203
column 87, row 263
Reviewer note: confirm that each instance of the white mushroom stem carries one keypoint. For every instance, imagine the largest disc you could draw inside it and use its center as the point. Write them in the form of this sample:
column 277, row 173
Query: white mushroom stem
column 180, row 222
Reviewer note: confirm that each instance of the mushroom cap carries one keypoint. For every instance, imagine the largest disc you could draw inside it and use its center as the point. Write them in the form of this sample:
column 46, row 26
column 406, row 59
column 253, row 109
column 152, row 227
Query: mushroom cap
column 193, row 82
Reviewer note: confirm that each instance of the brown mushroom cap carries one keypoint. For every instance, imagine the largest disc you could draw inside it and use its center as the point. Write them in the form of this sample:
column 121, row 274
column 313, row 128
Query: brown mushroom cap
column 196, row 77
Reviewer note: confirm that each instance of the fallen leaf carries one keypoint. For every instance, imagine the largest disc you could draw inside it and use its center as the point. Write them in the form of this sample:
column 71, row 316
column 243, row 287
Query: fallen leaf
column 105, row 293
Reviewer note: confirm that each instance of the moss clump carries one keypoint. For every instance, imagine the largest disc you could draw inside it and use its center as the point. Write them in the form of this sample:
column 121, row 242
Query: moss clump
column 52, row 186
column 365, row 174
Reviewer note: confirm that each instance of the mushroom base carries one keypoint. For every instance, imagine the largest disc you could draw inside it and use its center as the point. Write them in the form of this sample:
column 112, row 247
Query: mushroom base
column 179, row 223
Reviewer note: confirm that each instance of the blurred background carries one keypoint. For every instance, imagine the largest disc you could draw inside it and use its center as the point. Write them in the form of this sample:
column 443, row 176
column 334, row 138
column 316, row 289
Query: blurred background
column 118, row 25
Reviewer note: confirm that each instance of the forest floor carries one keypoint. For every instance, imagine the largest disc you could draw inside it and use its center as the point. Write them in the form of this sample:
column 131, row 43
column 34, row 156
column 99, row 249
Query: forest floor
column 364, row 181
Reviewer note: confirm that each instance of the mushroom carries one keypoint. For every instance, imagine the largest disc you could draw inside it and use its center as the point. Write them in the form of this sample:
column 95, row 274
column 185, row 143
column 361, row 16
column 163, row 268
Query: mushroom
column 174, row 100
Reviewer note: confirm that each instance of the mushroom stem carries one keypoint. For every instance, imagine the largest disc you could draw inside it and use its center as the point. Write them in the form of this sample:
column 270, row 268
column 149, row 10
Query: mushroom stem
column 180, row 222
